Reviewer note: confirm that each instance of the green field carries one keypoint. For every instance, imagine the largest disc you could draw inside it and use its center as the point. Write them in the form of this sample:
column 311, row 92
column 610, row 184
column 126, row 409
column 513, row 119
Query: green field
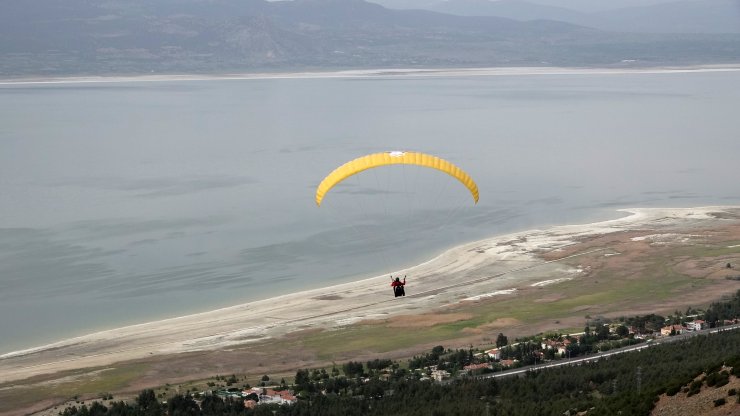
column 68, row 385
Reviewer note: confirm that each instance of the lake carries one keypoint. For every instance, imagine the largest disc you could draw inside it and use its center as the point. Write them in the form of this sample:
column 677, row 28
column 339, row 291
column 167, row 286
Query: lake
column 132, row 201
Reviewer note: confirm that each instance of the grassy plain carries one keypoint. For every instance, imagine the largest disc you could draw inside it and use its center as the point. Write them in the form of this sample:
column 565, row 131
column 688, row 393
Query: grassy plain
column 82, row 383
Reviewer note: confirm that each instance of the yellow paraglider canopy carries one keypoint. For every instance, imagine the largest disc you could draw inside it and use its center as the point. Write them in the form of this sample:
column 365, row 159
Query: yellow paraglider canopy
column 394, row 158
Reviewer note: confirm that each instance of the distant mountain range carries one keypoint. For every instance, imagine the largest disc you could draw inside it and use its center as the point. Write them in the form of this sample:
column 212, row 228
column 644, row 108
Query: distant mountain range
column 584, row 6
column 99, row 37
column 686, row 16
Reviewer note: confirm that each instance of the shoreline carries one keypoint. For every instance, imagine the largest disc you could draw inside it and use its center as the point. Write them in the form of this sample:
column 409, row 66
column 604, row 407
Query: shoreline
column 368, row 73
column 631, row 212
column 496, row 266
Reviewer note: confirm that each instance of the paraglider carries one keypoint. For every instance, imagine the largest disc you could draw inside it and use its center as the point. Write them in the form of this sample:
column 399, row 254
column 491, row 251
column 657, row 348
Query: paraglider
column 398, row 286
column 375, row 160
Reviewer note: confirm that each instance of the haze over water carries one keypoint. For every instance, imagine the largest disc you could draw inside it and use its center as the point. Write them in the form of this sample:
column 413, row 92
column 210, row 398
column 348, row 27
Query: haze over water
column 132, row 201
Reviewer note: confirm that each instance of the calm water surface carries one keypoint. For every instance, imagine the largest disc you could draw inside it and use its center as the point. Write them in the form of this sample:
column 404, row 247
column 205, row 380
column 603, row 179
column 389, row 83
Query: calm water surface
column 134, row 201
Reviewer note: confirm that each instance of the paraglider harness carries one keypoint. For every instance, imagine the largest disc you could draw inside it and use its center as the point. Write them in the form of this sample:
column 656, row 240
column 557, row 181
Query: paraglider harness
column 397, row 285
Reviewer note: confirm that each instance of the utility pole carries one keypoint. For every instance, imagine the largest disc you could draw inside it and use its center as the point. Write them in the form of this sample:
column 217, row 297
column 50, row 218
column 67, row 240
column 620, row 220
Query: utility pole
column 639, row 379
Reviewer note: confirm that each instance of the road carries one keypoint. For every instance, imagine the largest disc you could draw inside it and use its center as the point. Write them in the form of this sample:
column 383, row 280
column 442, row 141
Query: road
column 598, row 356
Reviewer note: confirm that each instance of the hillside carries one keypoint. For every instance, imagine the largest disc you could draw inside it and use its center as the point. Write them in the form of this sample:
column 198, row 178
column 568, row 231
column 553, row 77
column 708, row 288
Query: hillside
column 705, row 402
column 682, row 16
column 79, row 37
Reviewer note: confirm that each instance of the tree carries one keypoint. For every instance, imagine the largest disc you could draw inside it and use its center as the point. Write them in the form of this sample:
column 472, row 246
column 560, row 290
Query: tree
column 212, row 405
column 147, row 402
column 97, row 409
column 379, row 364
column 622, row 331
column 501, row 340
column 353, row 369
column 181, row 405
column 301, row 378
column 602, row 332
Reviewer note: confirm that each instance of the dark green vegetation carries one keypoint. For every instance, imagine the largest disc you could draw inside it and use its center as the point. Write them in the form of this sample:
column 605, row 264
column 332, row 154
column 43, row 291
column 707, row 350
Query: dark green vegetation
column 720, row 311
column 77, row 37
column 626, row 384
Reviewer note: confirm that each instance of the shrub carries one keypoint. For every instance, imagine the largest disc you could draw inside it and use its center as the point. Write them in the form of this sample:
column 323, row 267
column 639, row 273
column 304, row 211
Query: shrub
column 719, row 402
column 671, row 391
column 718, row 379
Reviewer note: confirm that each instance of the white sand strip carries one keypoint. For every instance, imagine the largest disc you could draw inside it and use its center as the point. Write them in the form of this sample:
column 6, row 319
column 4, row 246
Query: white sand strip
column 374, row 73
column 550, row 282
column 488, row 295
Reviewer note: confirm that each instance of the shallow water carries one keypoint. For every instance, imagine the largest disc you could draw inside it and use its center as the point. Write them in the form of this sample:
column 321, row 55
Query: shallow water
column 133, row 201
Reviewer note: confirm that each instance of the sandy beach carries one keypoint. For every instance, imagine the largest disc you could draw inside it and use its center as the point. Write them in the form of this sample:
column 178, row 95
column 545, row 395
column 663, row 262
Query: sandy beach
column 497, row 266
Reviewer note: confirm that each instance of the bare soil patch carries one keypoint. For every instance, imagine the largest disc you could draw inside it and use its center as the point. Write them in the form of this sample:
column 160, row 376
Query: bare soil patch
column 426, row 320
column 502, row 323
column 701, row 403
column 551, row 297
column 328, row 297
column 499, row 323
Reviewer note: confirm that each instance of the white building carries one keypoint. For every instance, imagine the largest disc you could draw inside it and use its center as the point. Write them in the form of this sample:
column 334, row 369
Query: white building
column 494, row 353
column 696, row 325
column 440, row 375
